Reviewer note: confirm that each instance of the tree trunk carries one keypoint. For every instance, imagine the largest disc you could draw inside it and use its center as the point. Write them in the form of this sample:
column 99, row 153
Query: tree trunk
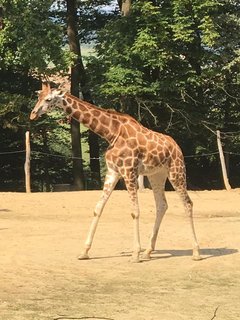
column 79, row 72
column 125, row 6
column 78, row 176
column 223, row 164
column 94, row 159
column 46, row 162
column 27, row 163
column 1, row 18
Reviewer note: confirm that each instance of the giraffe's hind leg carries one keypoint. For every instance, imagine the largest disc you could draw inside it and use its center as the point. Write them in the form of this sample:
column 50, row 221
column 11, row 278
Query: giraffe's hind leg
column 178, row 181
column 157, row 182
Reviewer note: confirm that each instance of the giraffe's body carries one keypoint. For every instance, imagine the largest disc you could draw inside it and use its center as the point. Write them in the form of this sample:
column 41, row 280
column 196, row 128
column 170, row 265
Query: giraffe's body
column 133, row 150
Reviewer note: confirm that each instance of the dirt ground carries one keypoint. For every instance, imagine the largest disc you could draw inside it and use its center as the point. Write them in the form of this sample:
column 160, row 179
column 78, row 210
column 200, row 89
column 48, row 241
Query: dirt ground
column 41, row 235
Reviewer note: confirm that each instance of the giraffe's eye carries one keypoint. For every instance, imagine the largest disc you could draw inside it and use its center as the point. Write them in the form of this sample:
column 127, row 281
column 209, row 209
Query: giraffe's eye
column 48, row 99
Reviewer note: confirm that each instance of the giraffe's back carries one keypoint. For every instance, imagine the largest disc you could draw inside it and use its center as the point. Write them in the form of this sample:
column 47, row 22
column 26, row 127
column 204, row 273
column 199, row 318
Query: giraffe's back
column 146, row 150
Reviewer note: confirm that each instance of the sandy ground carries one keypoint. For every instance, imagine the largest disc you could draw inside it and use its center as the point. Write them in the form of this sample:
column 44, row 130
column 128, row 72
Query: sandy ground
column 42, row 234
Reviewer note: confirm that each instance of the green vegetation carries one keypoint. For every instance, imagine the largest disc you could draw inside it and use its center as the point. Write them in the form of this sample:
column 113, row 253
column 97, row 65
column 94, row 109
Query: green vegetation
column 173, row 65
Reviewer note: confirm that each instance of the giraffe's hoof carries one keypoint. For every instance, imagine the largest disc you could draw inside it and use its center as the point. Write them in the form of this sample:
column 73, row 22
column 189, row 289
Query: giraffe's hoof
column 196, row 258
column 83, row 256
column 146, row 256
column 196, row 255
column 135, row 259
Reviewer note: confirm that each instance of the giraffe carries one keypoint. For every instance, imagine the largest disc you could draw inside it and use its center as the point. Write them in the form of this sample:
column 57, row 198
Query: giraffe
column 133, row 150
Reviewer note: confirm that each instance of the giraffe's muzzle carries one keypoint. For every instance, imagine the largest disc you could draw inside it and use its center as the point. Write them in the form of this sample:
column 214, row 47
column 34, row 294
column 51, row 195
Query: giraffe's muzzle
column 33, row 115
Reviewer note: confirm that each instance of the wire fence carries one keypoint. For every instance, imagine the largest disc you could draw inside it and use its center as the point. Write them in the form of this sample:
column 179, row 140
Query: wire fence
column 39, row 153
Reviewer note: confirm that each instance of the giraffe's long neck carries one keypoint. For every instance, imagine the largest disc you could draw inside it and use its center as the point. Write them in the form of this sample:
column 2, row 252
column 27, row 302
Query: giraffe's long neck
column 100, row 121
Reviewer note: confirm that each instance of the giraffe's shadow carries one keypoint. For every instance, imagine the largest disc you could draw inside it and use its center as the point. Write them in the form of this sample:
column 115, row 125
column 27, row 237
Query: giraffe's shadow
column 5, row 210
column 166, row 254
column 206, row 253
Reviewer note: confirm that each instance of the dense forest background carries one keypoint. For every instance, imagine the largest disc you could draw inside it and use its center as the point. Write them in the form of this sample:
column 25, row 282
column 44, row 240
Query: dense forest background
column 171, row 64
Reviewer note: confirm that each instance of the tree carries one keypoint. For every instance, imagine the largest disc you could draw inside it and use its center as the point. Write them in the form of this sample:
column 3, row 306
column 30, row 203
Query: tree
column 174, row 65
column 31, row 43
column 165, row 63
column 24, row 22
column 1, row 18
column 76, row 69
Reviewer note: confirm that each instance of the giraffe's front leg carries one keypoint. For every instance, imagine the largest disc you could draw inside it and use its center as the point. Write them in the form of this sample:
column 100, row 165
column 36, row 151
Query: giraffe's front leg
column 131, row 184
column 136, row 237
column 111, row 180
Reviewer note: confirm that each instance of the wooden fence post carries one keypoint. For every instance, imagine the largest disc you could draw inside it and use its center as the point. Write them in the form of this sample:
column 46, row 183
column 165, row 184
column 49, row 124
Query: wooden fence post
column 222, row 159
column 27, row 163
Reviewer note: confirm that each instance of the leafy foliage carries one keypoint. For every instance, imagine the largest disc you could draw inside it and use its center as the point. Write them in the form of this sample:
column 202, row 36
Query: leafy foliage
column 31, row 43
column 168, row 63
column 174, row 65
column 31, row 37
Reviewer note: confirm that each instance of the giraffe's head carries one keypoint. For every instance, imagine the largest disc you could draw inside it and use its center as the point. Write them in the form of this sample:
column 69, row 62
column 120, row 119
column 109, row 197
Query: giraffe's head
column 47, row 99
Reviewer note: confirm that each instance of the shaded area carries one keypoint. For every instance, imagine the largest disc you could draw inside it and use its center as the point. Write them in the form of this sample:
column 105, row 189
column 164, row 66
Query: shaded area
column 205, row 253
column 5, row 210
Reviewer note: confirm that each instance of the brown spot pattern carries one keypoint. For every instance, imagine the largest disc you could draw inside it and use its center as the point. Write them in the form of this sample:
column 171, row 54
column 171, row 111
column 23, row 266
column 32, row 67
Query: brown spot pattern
column 86, row 118
column 69, row 110
column 74, row 105
column 76, row 115
column 131, row 143
column 96, row 113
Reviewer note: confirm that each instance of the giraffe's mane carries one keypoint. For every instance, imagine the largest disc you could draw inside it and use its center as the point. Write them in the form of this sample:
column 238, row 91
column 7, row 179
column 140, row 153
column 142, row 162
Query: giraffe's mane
column 113, row 111
column 120, row 114
column 107, row 110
